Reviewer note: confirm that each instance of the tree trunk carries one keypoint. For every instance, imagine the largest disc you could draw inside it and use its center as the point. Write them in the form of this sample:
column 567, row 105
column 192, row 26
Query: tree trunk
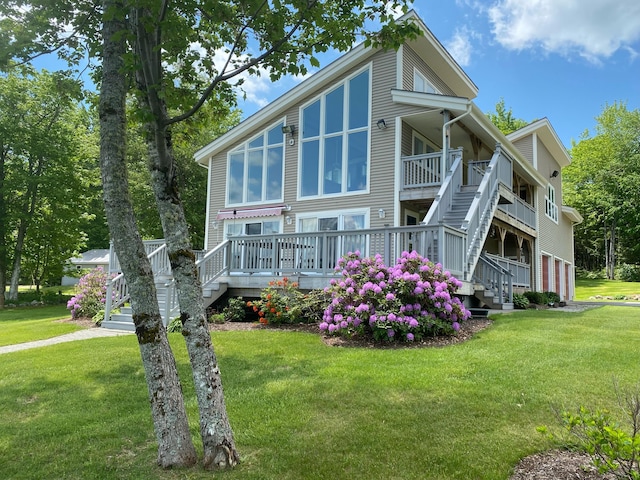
column 217, row 436
column 3, row 230
column 175, row 447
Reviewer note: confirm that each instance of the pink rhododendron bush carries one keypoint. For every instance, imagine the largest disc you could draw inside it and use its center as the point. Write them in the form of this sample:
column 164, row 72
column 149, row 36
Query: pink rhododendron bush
column 408, row 301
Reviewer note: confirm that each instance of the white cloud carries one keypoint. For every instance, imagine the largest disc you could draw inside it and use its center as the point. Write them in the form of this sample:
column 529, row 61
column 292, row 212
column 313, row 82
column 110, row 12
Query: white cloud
column 460, row 46
column 594, row 29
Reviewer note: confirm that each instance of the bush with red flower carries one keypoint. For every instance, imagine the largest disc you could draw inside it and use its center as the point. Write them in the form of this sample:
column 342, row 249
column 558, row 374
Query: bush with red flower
column 280, row 302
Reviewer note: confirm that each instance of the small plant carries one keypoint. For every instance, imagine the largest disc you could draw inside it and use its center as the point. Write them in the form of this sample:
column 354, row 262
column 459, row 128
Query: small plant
column 552, row 297
column 91, row 296
column 234, row 311
column 175, row 326
column 216, row 318
column 280, row 302
column 539, row 298
column 407, row 301
column 614, row 448
column 313, row 305
column 520, row 301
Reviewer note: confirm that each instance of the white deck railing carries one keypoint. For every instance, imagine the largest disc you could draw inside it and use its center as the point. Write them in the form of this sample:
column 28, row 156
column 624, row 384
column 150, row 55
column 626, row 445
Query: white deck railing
column 521, row 272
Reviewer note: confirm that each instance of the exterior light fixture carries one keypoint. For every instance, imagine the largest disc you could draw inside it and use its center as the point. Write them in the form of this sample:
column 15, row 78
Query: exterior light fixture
column 382, row 125
column 290, row 129
column 555, row 173
column 288, row 219
column 382, row 213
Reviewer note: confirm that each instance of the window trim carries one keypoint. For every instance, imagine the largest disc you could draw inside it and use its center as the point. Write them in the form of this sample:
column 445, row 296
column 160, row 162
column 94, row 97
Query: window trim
column 244, row 149
column 550, row 205
column 366, row 212
column 415, row 134
column 423, row 77
column 321, row 97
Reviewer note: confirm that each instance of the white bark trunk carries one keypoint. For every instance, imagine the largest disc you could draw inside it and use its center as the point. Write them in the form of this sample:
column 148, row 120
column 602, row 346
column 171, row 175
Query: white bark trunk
column 175, row 447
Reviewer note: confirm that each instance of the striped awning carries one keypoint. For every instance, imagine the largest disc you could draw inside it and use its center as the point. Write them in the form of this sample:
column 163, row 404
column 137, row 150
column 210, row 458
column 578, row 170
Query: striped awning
column 233, row 213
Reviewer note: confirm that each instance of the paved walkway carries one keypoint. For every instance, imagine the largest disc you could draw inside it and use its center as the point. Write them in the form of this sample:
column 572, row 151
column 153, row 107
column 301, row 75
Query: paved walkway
column 83, row 334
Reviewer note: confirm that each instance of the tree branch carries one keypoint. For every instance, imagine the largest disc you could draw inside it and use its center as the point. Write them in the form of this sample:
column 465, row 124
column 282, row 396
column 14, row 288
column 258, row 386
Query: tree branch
column 221, row 77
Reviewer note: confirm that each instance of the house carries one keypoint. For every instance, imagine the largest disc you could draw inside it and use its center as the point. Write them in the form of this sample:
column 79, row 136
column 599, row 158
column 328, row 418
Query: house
column 385, row 151
column 85, row 261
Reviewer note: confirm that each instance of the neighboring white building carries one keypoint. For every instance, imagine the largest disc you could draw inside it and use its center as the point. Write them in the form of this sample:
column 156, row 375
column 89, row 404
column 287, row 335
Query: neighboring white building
column 86, row 261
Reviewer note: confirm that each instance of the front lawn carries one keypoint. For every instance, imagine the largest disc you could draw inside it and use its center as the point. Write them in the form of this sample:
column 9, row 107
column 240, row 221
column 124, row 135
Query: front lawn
column 26, row 324
column 303, row 410
column 590, row 287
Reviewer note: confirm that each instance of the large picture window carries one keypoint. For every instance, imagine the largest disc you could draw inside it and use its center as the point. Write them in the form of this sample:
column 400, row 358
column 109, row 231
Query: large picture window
column 256, row 169
column 335, row 140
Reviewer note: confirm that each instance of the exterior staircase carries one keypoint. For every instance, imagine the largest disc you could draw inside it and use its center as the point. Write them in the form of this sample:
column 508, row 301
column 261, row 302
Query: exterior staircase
column 118, row 314
column 471, row 208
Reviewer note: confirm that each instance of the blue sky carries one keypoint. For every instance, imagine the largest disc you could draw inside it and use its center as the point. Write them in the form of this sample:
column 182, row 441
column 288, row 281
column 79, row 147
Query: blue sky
column 560, row 59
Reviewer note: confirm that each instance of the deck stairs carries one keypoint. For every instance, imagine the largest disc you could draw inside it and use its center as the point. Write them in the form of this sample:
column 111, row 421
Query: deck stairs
column 121, row 317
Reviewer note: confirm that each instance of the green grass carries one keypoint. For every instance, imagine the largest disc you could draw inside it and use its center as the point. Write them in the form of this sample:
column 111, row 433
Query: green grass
column 26, row 324
column 301, row 409
column 587, row 288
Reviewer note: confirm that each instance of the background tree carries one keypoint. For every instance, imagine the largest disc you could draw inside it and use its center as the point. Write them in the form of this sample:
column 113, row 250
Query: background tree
column 42, row 128
column 504, row 119
column 602, row 182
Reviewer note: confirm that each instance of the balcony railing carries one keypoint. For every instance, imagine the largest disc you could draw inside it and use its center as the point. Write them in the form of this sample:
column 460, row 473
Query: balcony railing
column 521, row 272
column 319, row 252
column 521, row 211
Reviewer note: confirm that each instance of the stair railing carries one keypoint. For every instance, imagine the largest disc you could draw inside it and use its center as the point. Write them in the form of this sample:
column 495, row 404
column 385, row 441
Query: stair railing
column 496, row 278
column 484, row 204
column 117, row 289
column 450, row 186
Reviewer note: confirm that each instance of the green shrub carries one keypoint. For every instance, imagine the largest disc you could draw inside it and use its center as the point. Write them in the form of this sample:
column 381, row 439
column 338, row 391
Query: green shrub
column 314, row 304
column 590, row 275
column 520, row 301
column 216, row 318
column 552, row 297
column 280, row 302
column 538, row 298
column 628, row 273
column 614, row 448
column 235, row 311
column 175, row 326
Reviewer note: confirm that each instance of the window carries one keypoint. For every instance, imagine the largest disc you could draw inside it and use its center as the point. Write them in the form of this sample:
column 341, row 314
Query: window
column 550, row 207
column 256, row 168
column 335, row 140
column 325, row 252
column 421, row 145
column 252, row 227
column 421, row 84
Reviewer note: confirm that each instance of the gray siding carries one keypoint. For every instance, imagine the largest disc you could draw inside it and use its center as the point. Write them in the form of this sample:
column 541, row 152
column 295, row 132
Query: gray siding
column 381, row 163
column 554, row 239
column 412, row 60
column 525, row 146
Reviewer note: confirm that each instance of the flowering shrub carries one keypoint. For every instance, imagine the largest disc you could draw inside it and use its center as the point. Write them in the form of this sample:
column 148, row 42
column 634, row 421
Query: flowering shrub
column 279, row 303
column 92, row 291
column 407, row 301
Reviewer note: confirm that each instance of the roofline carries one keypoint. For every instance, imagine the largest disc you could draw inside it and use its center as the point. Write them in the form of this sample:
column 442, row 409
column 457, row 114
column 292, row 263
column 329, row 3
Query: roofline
column 342, row 63
column 549, row 137
column 484, row 120
column 573, row 214
column 443, row 51
column 325, row 74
